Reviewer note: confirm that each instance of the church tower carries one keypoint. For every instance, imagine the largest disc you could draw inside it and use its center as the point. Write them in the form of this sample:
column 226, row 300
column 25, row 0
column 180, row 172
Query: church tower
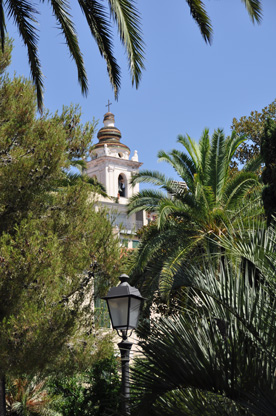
column 112, row 166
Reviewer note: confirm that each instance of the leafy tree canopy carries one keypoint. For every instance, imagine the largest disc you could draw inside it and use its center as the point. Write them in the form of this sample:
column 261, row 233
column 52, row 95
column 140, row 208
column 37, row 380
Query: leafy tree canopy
column 268, row 150
column 252, row 127
column 49, row 235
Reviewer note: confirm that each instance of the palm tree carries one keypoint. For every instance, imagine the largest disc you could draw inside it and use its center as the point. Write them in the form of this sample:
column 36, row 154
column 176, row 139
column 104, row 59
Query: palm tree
column 194, row 211
column 124, row 14
column 218, row 357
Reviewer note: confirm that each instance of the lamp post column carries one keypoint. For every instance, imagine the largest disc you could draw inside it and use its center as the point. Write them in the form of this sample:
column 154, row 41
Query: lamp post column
column 125, row 347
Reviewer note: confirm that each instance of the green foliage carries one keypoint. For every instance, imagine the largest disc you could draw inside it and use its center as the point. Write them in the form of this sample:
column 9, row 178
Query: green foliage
column 219, row 353
column 50, row 236
column 252, row 128
column 199, row 14
column 268, row 150
column 127, row 20
column 5, row 56
column 124, row 15
column 194, row 211
column 94, row 392
column 28, row 397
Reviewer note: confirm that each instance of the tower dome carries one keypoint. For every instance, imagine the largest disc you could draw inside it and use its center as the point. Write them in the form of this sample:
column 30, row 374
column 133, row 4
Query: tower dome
column 109, row 138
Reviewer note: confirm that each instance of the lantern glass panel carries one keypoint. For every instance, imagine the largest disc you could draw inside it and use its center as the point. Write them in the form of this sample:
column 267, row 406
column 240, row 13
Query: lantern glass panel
column 119, row 311
column 134, row 312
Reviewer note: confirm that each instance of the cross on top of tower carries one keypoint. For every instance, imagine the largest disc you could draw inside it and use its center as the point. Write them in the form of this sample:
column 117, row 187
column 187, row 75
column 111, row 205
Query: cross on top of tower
column 108, row 105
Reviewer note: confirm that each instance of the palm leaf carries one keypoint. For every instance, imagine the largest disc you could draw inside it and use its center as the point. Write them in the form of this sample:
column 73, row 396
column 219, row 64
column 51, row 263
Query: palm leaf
column 147, row 200
column 147, row 176
column 127, row 18
column 224, row 344
column 204, row 146
column 198, row 12
column 216, row 163
column 2, row 25
column 23, row 13
column 192, row 148
column 254, row 9
column 232, row 143
column 238, row 187
column 181, row 163
column 100, row 29
column 61, row 11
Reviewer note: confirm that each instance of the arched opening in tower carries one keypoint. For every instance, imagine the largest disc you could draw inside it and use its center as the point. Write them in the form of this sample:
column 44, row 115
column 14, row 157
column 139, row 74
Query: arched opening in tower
column 121, row 186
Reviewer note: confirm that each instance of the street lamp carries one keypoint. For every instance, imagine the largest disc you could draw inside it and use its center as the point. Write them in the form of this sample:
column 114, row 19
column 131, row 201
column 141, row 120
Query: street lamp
column 124, row 304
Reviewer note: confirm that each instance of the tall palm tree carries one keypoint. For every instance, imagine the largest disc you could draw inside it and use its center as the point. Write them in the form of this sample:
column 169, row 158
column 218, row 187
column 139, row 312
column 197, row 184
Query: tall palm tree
column 194, row 211
column 218, row 357
column 123, row 12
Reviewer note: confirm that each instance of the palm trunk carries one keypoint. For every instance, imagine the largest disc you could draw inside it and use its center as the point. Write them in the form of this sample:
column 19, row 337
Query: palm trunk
column 2, row 396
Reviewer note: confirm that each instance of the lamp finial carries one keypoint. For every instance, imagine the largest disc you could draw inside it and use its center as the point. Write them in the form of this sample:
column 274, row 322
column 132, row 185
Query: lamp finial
column 124, row 278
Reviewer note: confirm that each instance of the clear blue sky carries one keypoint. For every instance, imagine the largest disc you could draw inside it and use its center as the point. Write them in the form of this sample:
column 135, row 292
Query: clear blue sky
column 187, row 85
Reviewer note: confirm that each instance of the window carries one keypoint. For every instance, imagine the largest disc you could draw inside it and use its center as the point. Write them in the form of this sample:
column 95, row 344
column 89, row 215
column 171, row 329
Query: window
column 124, row 243
column 135, row 243
column 121, row 186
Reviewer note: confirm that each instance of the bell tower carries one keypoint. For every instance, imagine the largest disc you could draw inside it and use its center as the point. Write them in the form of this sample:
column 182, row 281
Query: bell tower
column 110, row 162
column 112, row 166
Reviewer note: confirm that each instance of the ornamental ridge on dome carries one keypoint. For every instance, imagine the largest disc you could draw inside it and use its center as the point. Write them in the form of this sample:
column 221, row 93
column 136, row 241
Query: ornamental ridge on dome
column 109, row 135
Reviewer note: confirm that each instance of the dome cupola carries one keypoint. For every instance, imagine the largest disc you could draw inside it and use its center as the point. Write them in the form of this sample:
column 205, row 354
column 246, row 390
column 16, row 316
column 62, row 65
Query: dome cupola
column 109, row 138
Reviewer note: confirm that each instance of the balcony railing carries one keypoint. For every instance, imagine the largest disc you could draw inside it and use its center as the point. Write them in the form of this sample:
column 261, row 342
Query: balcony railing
column 128, row 226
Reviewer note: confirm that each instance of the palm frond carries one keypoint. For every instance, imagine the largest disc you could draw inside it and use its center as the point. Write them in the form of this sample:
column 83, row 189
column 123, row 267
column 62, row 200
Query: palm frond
column 127, row 18
column 100, row 29
column 147, row 200
column 254, row 9
column 204, row 146
column 181, row 163
column 154, row 177
column 198, row 12
column 169, row 277
column 23, row 14
column 253, row 242
column 166, row 208
column 231, row 144
column 205, row 197
column 224, row 344
column 192, row 148
column 61, row 11
column 216, row 171
column 238, row 187
column 2, row 26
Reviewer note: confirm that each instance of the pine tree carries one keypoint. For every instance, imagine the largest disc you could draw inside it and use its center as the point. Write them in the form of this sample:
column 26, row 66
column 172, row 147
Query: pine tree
column 49, row 233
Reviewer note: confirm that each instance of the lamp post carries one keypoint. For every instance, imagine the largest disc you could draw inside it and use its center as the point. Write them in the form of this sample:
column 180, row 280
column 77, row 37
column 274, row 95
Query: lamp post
column 124, row 304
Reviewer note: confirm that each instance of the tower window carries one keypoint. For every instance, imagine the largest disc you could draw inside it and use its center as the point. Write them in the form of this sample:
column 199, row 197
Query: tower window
column 121, row 186
column 120, row 154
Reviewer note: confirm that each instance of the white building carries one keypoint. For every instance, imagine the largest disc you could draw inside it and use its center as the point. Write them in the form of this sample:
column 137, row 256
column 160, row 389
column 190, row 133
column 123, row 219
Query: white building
column 112, row 166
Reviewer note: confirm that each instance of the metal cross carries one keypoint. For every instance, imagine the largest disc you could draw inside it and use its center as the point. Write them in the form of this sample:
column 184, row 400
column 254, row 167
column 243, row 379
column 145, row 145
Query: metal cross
column 108, row 105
